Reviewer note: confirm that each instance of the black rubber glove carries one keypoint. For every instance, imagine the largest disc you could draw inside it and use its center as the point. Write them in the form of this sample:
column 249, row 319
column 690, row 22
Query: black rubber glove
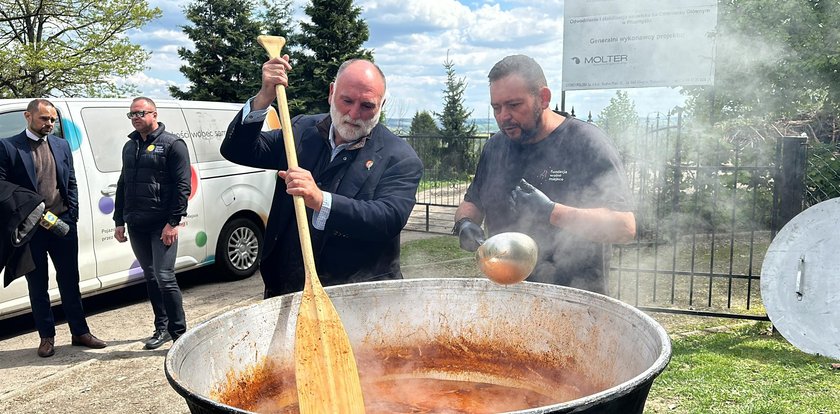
column 470, row 235
column 527, row 199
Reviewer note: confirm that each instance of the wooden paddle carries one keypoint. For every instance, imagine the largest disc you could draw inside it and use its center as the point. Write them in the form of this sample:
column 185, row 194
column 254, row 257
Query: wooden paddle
column 325, row 368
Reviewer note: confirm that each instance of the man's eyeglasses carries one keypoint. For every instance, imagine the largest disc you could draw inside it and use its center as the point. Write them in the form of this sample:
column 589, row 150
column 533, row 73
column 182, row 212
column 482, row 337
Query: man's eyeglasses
column 138, row 114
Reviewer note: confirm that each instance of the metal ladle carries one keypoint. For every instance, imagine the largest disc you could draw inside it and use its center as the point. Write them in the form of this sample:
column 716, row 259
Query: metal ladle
column 507, row 258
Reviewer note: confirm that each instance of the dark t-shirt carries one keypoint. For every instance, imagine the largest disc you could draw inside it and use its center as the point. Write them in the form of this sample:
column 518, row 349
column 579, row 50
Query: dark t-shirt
column 575, row 165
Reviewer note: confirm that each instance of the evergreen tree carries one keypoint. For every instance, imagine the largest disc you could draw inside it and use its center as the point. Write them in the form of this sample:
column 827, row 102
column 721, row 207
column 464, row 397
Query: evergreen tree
column 456, row 130
column 70, row 48
column 423, row 124
column 336, row 33
column 275, row 18
column 227, row 61
column 425, row 138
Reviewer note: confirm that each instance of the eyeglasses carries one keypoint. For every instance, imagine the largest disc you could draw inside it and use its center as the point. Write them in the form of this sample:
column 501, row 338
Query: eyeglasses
column 138, row 114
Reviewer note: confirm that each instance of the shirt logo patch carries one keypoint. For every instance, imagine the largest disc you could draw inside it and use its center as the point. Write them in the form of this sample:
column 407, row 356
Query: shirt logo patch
column 557, row 175
column 150, row 148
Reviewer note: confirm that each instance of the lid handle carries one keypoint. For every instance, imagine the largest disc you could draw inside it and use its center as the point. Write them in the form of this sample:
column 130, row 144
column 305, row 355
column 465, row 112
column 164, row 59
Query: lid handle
column 800, row 272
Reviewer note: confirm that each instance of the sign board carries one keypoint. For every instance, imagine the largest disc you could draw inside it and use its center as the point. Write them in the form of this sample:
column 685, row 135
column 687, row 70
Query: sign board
column 618, row 44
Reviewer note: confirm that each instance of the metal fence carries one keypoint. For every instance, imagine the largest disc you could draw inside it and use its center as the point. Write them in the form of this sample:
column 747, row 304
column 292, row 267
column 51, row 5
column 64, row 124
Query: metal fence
column 707, row 209
column 438, row 195
column 704, row 219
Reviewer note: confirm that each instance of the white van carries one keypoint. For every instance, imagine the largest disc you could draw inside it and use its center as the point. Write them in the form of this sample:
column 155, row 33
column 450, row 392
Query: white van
column 227, row 210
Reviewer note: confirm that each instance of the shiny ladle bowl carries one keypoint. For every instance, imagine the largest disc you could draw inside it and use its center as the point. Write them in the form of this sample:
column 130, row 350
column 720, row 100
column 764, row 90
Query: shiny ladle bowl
column 507, row 258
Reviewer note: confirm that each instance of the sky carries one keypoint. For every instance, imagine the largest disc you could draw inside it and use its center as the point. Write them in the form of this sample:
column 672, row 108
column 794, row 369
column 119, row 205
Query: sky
column 411, row 39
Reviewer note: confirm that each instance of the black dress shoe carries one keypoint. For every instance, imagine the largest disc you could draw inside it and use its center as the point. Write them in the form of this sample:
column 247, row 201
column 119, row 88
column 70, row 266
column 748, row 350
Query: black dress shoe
column 47, row 347
column 88, row 340
column 158, row 338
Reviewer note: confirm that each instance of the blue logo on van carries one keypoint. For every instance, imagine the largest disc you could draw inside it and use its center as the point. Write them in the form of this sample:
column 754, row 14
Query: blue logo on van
column 71, row 134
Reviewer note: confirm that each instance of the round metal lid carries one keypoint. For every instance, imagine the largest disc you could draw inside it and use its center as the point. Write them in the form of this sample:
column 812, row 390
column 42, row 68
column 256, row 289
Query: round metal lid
column 800, row 280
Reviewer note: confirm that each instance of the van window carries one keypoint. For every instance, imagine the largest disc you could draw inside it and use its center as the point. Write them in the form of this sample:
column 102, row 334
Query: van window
column 13, row 123
column 108, row 130
column 207, row 129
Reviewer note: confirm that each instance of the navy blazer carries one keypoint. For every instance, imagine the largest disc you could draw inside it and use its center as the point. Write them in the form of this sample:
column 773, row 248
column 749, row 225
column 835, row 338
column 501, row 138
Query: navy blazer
column 373, row 193
column 16, row 166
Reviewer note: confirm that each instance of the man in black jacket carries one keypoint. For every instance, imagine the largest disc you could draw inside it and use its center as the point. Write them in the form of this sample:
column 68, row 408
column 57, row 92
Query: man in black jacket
column 357, row 179
column 151, row 198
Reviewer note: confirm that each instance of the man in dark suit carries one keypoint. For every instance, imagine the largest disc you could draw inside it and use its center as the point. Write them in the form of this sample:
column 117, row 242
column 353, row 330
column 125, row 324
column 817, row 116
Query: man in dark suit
column 43, row 163
column 357, row 179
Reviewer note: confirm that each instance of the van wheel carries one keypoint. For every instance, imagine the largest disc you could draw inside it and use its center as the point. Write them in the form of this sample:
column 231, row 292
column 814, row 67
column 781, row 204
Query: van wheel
column 239, row 249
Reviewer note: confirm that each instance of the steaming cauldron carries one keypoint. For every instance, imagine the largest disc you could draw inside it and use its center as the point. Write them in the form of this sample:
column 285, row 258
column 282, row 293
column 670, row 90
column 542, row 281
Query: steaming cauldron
column 543, row 339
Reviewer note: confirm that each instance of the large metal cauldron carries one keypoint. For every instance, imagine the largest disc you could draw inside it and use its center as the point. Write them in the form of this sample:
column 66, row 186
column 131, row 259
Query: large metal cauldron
column 565, row 337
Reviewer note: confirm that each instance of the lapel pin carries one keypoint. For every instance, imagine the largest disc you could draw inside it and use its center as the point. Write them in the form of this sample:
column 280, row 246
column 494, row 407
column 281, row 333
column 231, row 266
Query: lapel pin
column 368, row 164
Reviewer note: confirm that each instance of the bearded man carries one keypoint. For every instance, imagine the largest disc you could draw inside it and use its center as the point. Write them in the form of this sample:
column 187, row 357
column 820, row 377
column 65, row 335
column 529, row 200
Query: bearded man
column 358, row 180
column 550, row 176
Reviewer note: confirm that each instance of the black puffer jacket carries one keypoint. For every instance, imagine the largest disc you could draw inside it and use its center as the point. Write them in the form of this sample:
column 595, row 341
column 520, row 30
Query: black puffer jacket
column 155, row 181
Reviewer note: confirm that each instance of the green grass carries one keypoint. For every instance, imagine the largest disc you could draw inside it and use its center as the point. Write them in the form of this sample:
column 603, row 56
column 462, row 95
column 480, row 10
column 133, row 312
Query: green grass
column 431, row 250
column 437, row 257
column 741, row 369
column 744, row 370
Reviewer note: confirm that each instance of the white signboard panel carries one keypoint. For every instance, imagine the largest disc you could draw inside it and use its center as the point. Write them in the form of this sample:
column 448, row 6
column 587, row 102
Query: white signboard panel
column 618, row 44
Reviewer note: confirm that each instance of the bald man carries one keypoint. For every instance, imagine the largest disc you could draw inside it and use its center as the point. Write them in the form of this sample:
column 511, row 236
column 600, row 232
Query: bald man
column 357, row 179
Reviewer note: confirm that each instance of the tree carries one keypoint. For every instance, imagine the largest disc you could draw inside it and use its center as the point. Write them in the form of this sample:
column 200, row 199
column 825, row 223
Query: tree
column 775, row 65
column 226, row 63
column 336, row 33
column 456, row 131
column 620, row 120
column 69, row 47
column 425, row 138
column 275, row 18
column 423, row 124
column 772, row 62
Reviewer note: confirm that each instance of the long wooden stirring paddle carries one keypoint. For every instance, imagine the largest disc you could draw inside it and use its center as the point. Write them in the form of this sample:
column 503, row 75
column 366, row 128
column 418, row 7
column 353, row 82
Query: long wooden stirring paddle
column 325, row 368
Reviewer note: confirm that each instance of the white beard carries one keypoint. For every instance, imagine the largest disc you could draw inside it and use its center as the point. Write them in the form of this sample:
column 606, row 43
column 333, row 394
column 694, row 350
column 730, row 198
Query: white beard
column 350, row 130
